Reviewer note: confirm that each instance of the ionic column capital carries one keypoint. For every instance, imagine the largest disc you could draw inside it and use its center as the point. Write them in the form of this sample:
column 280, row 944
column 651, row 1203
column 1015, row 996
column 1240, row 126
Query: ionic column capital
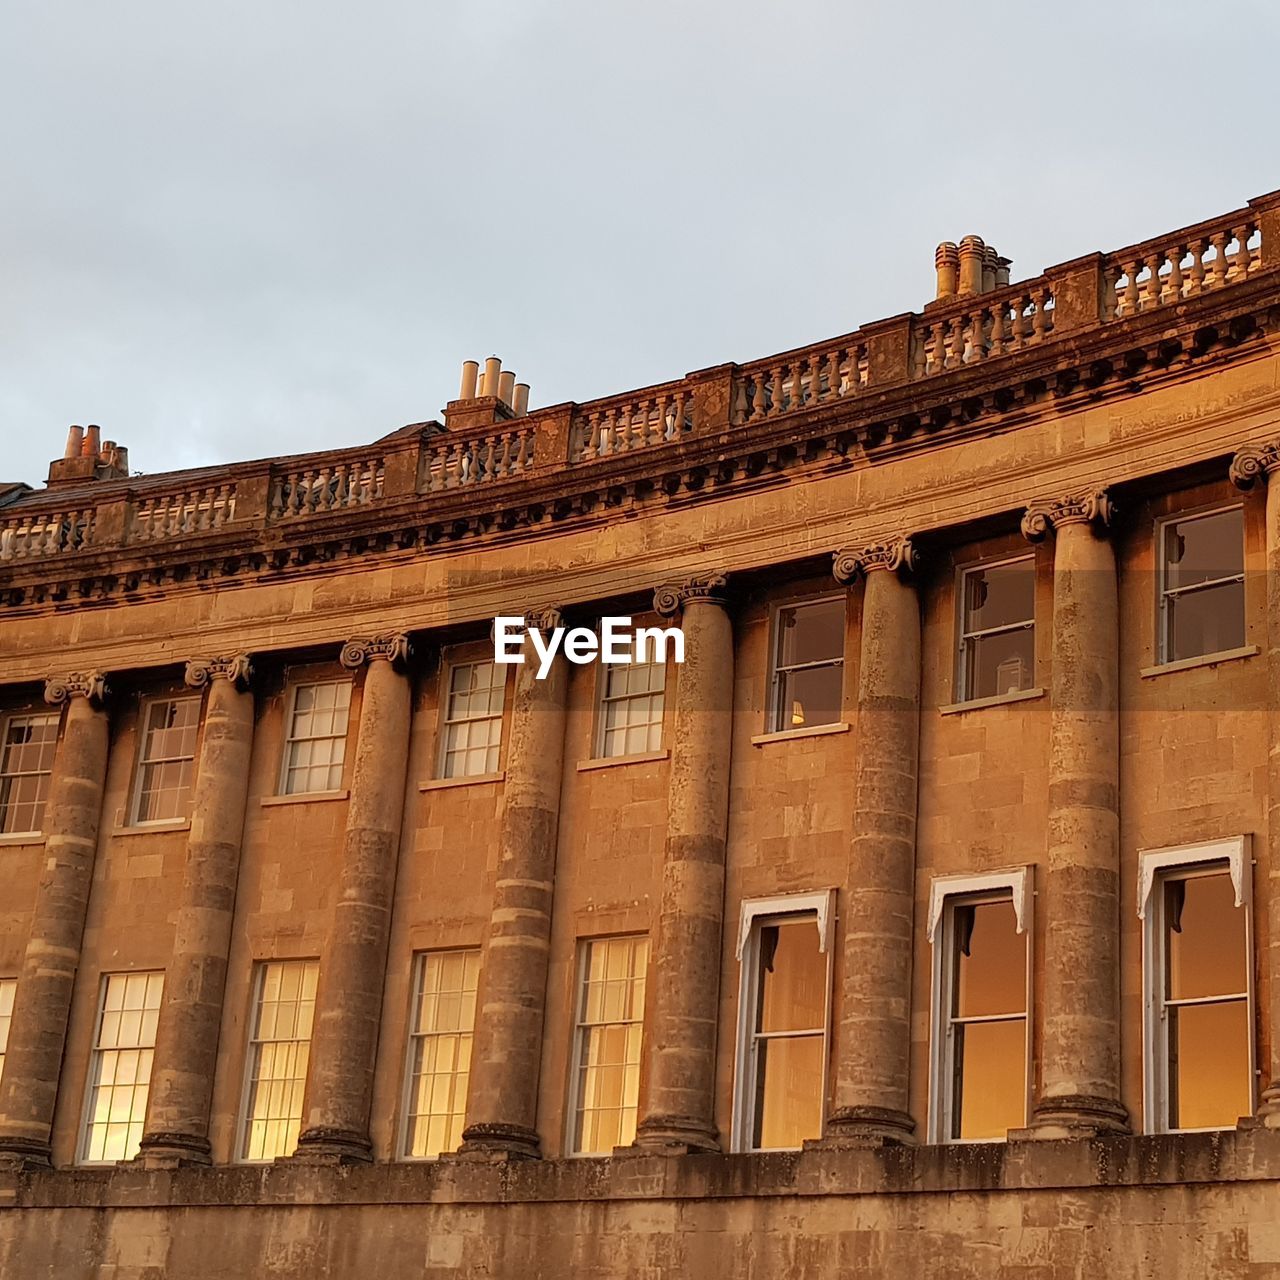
column 1254, row 462
column 237, row 668
column 898, row 555
column 391, row 646
column 78, row 684
column 700, row 588
column 1093, row 507
column 547, row 618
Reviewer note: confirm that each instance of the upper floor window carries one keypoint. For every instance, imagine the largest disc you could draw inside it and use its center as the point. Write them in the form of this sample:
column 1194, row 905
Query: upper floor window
column 120, row 1072
column 631, row 705
column 808, row 664
column 608, row 1032
column 440, row 1029
column 980, row 1051
column 1198, row 986
column 26, row 765
column 316, row 741
column 166, row 760
column 279, row 1047
column 8, row 989
column 997, row 629
column 472, row 732
column 1201, row 584
column 784, row 1007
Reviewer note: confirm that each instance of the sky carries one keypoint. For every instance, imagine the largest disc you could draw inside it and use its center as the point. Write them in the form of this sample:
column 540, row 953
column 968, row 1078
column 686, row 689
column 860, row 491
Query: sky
column 234, row 230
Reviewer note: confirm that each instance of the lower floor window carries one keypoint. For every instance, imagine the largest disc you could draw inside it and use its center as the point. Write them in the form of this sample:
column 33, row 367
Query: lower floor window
column 609, row 1029
column 120, row 1072
column 1198, row 981
column 443, row 1016
column 782, row 1042
column 279, row 1047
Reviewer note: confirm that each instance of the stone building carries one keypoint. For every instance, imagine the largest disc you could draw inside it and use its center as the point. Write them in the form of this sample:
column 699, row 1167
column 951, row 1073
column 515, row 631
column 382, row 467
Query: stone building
column 921, row 923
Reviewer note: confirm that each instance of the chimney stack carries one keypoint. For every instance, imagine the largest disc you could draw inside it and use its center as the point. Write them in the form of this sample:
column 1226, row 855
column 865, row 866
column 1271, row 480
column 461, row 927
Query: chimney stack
column 972, row 267
column 88, row 457
column 486, row 396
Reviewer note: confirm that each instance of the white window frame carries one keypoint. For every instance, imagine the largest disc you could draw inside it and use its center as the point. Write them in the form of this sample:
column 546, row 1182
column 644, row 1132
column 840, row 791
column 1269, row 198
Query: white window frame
column 1163, row 525
column 5, row 723
column 1152, row 865
column 250, row 1043
column 818, row 905
column 141, row 761
column 603, row 700
column 446, row 683
column 419, row 969
column 963, row 634
column 288, row 739
column 95, row 1052
column 572, row 1113
column 1019, row 884
column 778, row 718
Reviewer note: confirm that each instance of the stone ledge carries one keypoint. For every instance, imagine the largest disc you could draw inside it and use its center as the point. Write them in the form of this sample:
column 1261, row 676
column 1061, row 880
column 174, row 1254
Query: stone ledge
column 1149, row 1161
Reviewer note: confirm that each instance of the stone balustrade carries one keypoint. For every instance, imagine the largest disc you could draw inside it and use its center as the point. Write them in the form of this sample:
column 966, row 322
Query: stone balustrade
column 160, row 517
column 784, row 384
column 623, row 424
column 36, row 535
column 990, row 326
column 304, row 491
column 501, row 454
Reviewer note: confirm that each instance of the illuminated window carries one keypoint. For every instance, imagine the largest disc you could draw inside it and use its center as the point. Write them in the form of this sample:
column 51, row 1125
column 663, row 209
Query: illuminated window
column 1198, row 986
column 8, row 989
column 997, row 629
column 1201, row 585
column 26, row 764
column 981, row 982
column 631, row 704
column 279, row 1046
column 166, row 760
column 443, row 1016
column 120, row 1073
column 316, row 742
column 472, row 720
column 609, row 1030
column 808, row 664
column 780, row 1082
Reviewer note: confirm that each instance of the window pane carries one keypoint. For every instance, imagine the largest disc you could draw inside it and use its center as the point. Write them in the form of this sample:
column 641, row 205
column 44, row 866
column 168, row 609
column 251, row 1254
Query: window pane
column 1210, row 620
column 1205, row 939
column 472, row 720
column 999, row 596
column 990, row 959
column 1000, row 663
column 811, row 632
column 792, row 978
column 788, row 1090
column 317, row 742
column 990, row 1085
column 26, row 762
column 809, row 697
column 1204, row 548
column 1208, row 1065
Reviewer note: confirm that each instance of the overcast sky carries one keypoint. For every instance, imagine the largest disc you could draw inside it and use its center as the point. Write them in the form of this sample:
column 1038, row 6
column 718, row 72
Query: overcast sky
column 235, row 229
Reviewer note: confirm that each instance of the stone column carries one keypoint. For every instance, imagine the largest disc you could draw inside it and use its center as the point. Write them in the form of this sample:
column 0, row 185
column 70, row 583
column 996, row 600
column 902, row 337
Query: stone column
column 186, row 1051
column 353, row 965
column 682, row 1005
column 506, row 1054
column 878, row 902
column 42, row 1004
column 1079, row 1093
column 1251, row 464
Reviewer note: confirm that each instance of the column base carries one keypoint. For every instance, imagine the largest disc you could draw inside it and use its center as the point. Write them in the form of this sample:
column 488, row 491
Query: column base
column 1267, row 1115
column 675, row 1136
column 499, row 1142
column 862, row 1127
column 24, row 1155
column 323, row 1146
column 173, row 1151
column 1076, row 1115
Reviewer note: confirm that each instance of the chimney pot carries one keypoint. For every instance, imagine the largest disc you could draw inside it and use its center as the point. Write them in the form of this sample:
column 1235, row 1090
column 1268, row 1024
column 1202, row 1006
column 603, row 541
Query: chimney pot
column 506, row 385
column 75, row 442
column 520, row 405
column 470, row 372
column 989, row 259
column 92, row 442
column 946, row 259
column 492, row 372
column 972, row 252
column 1002, row 272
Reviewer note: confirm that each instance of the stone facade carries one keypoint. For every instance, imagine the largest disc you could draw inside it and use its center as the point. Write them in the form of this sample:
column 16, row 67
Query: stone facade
column 1060, row 422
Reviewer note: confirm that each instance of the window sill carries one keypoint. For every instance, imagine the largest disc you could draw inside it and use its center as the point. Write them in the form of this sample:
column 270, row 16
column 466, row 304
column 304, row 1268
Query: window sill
column 1204, row 660
column 304, row 797
column 438, row 784
column 151, row 828
column 13, row 838
column 609, row 762
column 786, row 735
column 998, row 700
